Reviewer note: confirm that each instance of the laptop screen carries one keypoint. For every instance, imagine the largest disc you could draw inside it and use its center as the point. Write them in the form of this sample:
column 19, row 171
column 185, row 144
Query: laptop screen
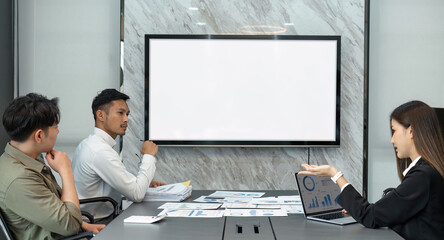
column 318, row 194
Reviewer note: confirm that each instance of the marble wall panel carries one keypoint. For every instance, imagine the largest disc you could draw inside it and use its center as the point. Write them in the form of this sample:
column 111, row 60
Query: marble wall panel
column 248, row 168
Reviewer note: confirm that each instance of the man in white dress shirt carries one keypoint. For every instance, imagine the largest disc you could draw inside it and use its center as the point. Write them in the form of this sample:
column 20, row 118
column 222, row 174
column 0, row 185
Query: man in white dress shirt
column 98, row 168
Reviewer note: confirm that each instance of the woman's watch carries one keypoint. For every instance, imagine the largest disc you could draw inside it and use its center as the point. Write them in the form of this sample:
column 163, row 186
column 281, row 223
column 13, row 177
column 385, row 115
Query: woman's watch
column 337, row 176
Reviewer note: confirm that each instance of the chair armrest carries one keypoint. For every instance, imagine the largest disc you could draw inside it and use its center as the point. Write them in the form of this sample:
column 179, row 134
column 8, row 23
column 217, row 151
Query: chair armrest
column 87, row 235
column 4, row 230
column 102, row 199
column 89, row 216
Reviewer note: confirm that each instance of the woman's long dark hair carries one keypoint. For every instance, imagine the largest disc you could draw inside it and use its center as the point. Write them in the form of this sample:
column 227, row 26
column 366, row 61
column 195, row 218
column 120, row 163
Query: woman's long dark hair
column 426, row 134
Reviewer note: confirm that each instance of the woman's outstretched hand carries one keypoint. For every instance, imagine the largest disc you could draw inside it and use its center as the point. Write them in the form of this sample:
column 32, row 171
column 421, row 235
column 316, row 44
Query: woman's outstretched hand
column 321, row 171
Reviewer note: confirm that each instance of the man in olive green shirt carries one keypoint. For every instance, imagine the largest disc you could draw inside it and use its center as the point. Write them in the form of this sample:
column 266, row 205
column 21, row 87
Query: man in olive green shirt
column 32, row 203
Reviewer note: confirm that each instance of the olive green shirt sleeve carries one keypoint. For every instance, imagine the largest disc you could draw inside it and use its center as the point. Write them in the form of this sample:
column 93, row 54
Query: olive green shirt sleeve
column 29, row 197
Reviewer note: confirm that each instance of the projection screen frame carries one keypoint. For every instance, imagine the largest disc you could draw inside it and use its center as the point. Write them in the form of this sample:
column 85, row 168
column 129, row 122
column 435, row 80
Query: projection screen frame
column 235, row 143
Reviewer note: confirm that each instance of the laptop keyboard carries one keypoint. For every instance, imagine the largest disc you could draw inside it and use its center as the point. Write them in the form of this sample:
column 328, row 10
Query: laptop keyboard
column 331, row 216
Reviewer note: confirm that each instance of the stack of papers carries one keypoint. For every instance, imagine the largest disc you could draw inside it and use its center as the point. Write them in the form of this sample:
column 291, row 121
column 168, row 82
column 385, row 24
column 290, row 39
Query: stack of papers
column 171, row 192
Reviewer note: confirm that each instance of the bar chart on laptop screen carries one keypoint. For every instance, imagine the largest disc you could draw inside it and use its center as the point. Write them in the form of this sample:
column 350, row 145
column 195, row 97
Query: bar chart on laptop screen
column 319, row 193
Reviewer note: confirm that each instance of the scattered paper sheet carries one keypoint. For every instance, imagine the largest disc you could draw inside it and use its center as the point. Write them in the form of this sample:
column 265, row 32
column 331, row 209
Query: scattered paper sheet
column 293, row 209
column 254, row 212
column 224, row 194
column 237, row 200
column 190, row 206
column 193, row 213
column 239, row 204
column 278, row 200
column 289, row 208
column 249, row 205
column 206, row 199
column 143, row 219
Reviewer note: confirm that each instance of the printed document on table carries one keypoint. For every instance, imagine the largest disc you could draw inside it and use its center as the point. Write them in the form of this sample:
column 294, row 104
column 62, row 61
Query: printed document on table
column 208, row 199
column 278, row 200
column 254, row 212
column 143, row 219
column 290, row 208
column 193, row 213
column 249, row 205
column 224, row 194
column 190, row 206
column 237, row 200
column 293, row 209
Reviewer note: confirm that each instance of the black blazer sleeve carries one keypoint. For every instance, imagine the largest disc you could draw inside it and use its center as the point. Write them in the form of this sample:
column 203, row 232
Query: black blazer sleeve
column 401, row 204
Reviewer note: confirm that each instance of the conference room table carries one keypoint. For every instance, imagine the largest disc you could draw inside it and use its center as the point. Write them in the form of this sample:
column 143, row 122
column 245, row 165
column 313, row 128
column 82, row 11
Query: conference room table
column 294, row 226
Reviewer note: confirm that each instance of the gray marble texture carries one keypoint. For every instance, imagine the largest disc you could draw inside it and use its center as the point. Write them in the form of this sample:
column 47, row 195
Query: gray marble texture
column 248, row 168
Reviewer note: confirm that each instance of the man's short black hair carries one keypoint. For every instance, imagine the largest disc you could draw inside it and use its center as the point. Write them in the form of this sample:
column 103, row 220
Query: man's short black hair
column 27, row 113
column 104, row 100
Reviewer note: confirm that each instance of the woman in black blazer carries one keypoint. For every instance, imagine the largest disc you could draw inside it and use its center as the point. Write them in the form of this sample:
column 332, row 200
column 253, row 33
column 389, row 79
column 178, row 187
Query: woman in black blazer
column 415, row 209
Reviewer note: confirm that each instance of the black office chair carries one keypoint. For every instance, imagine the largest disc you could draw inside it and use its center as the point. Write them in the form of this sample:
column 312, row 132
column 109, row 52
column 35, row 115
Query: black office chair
column 90, row 217
column 6, row 234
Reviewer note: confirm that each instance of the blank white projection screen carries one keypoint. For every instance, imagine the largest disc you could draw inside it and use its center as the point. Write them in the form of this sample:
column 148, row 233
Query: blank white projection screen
column 242, row 90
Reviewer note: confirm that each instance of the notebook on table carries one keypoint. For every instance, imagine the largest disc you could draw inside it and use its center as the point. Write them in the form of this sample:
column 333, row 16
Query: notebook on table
column 319, row 196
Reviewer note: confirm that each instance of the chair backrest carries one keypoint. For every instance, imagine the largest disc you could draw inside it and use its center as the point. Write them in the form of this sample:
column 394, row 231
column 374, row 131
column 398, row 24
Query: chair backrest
column 4, row 233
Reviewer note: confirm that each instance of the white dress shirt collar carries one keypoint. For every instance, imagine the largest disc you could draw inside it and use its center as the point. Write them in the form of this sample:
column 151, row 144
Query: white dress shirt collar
column 105, row 136
column 410, row 166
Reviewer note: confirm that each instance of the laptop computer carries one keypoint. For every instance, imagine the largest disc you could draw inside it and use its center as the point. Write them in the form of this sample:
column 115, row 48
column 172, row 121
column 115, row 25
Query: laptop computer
column 319, row 196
